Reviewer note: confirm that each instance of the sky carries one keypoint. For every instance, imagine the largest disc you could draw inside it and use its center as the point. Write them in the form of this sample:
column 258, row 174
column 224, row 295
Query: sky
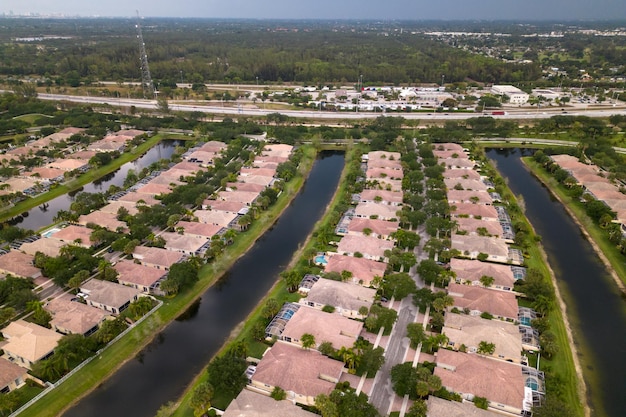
column 331, row 9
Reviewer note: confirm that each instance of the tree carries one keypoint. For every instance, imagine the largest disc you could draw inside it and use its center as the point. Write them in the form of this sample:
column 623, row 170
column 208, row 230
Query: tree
column 429, row 270
column 308, row 341
column 326, row 406
column 371, row 360
column 553, row 407
column 549, row 345
column 418, row 409
column 486, row 348
column 184, row 273
column 292, row 279
column 39, row 315
column 440, row 303
column 201, row 398
column 398, row 285
column 415, row 333
column 487, row 281
column 226, row 374
column 405, row 239
column 271, row 308
column 481, row 402
column 278, row 394
column 162, row 105
column 326, row 348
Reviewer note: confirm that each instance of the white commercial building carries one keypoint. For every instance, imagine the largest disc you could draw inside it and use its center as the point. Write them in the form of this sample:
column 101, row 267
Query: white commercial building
column 516, row 96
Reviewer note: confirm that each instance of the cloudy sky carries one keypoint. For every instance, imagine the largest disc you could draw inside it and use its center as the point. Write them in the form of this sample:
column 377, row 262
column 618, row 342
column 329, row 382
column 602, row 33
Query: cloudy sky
column 331, row 9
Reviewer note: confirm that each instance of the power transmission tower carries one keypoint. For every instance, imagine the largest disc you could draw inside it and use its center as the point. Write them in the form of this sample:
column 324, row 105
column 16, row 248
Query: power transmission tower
column 146, row 79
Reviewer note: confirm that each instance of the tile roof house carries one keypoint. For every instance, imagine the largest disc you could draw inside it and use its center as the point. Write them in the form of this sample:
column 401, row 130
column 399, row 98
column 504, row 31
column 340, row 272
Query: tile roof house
column 139, row 199
column 269, row 159
column 114, row 206
column 383, row 159
column 448, row 146
column 474, row 210
column 197, row 229
column 463, row 329
column 12, row 376
column 185, row 244
column 471, row 271
column 47, row 173
column 465, row 184
column 19, row 264
column 469, row 196
column 242, row 186
column 104, row 219
column 392, row 198
column 303, row 374
column 502, row 383
column 49, row 247
column 377, row 228
column 73, row 317
column 141, row 277
column 363, row 270
column 457, row 163
column 73, row 234
column 340, row 331
column 473, row 245
column 277, row 149
column 69, row 164
column 450, row 154
column 473, row 226
column 370, row 247
column 346, row 297
column 386, row 184
column 108, row 296
column 458, row 173
column 379, row 211
column 251, row 404
column 201, row 157
column 396, row 174
column 154, row 189
column 29, row 342
column 246, row 197
column 479, row 300
column 213, row 146
column 156, row 257
column 256, row 179
column 438, row 407
column 219, row 218
column 260, row 172
column 221, row 205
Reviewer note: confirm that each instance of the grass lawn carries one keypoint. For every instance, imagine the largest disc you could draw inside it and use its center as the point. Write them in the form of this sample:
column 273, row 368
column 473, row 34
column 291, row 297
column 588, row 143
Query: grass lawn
column 31, row 118
column 110, row 360
column 86, row 178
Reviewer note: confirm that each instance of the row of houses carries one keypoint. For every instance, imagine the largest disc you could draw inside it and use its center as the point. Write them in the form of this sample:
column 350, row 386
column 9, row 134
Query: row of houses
column 485, row 308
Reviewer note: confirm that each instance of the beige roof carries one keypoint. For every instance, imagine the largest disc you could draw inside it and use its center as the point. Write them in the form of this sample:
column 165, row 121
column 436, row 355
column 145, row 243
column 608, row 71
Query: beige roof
column 49, row 247
column 362, row 269
column 154, row 189
column 367, row 245
column 255, row 179
column 271, row 159
column 265, row 165
column 295, row 369
column 73, row 316
column 450, row 154
column 383, row 211
column 378, row 227
column 384, row 173
column 469, row 184
column 84, row 155
column 242, row 186
column 136, row 197
column 251, row 404
column 129, row 132
column 221, row 205
column 466, row 196
column 448, row 146
column 108, row 293
column 278, row 149
column 480, row 244
column 114, row 206
column 497, row 303
column 183, row 243
column 220, row 218
column 471, row 225
column 388, row 184
column 384, row 159
column 345, row 295
column 132, row 273
column 456, row 163
column 203, row 157
column 190, row 167
column 199, row 229
column 19, row 184
column 326, row 327
column 68, row 164
column 387, row 196
column 213, row 146
column 73, row 233
column 461, row 173
column 469, row 270
column 19, row 264
column 157, row 256
column 46, row 172
column 438, row 407
column 165, row 179
column 9, row 372
column 485, row 211
column 471, row 330
column 29, row 341
column 106, row 220
column 498, row 381
column 240, row 196
column 261, row 172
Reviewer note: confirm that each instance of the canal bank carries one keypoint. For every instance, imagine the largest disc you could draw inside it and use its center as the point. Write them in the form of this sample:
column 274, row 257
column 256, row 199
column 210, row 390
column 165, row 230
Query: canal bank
column 161, row 371
column 595, row 309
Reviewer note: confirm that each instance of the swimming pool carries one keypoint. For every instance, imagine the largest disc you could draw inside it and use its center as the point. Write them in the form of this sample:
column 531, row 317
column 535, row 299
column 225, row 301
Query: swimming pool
column 321, row 260
column 50, row 232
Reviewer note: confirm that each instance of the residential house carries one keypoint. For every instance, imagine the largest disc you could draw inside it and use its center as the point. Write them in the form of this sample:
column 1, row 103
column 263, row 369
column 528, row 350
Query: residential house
column 252, row 404
column 472, row 246
column 374, row 227
column 75, row 235
column 470, row 331
column 218, row 218
column 196, row 229
column 108, row 296
column 185, row 244
column 73, row 317
column 70, row 164
column 19, row 264
column 243, row 186
column 501, row 383
column 139, row 199
column 392, row 198
column 303, row 374
column 471, row 271
column 259, row 172
column 154, row 189
column 479, row 226
column 478, row 300
column 457, row 163
column 103, row 219
column 394, row 174
column 477, row 211
column 469, row 196
column 28, row 342
column 376, row 211
column 256, row 179
column 236, row 207
column 49, row 247
column 138, row 276
column 465, row 184
column 456, row 173
column 370, row 247
column 12, row 376
column 340, row 331
column 213, row 146
column 364, row 271
column 347, row 298
column 246, row 197
column 156, row 257
column 438, row 407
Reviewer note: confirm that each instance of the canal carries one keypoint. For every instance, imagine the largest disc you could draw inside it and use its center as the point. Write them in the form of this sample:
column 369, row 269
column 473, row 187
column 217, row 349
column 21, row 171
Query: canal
column 163, row 369
column 596, row 310
column 41, row 216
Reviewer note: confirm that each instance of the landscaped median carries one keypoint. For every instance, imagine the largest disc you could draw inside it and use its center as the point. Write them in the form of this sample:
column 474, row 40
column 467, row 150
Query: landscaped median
column 116, row 355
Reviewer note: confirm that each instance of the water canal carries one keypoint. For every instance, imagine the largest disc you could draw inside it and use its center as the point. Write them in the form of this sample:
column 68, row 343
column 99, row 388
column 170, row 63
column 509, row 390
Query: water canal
column 163, row 369
column 41, row 216
column 596, row 310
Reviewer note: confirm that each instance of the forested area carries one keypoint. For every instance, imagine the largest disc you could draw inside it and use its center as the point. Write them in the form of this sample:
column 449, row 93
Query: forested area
column 199, row 51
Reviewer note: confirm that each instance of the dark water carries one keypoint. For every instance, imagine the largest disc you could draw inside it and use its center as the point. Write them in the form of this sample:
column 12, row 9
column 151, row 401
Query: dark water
column 164, row 368
column 595, row 308
column 41, row 216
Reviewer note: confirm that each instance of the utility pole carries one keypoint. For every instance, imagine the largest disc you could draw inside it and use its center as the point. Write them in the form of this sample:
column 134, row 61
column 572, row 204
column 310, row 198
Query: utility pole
column 146, row 79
